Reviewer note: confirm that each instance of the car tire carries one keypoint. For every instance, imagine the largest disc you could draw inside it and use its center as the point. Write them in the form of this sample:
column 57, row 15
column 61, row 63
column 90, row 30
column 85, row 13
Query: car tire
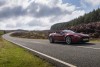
column 68, row 40
column 51, row 40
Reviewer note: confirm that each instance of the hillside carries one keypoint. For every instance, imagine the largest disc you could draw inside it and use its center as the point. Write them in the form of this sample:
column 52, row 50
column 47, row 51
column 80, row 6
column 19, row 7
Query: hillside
column 31, row 34
column 93, row 29
column 91, row 17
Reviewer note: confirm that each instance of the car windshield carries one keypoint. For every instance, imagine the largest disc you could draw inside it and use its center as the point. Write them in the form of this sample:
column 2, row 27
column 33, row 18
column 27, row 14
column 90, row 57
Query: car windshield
column 68, row 31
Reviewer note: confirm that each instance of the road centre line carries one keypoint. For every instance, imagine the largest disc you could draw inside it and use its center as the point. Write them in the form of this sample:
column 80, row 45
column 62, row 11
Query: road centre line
column 68, row 45
column 76, row 46
column 89, row 47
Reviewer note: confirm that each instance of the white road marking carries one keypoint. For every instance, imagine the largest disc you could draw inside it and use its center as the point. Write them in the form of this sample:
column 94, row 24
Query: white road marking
column 76, row 46
column 50, row 57
column 89, row 47
column 36, row 42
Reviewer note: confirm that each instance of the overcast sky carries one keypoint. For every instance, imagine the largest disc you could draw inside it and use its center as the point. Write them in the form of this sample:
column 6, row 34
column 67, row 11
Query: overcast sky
column 41, row 14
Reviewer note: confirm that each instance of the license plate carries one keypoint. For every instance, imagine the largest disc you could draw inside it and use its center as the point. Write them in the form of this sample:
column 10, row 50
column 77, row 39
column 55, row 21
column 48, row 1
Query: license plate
column 85, row 39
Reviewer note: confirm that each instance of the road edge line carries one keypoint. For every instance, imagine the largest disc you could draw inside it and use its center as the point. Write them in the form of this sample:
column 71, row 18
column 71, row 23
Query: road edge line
column 50, row 57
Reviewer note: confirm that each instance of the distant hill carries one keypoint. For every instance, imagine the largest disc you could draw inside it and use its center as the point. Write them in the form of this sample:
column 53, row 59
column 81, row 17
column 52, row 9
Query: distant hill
column 88, row 18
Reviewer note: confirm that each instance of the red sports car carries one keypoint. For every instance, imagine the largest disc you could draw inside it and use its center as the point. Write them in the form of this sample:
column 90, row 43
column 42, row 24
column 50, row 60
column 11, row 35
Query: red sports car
column 68, row 36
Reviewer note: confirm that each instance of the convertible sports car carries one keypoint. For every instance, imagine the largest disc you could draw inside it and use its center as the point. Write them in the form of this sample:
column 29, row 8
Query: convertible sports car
column 68, row 36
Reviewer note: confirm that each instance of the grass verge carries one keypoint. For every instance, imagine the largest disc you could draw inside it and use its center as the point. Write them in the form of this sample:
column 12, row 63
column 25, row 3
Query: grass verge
column 14, row 56
column 95, row 40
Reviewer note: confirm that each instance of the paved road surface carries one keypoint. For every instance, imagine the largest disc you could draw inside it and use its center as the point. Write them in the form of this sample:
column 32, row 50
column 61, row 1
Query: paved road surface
column 62, row 55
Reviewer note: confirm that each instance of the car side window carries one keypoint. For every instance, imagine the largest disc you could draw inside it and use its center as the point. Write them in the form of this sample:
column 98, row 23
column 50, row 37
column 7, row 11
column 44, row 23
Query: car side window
column 62, row 32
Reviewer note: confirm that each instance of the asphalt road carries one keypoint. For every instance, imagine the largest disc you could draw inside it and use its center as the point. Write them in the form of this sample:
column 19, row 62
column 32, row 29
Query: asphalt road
column 62, row 55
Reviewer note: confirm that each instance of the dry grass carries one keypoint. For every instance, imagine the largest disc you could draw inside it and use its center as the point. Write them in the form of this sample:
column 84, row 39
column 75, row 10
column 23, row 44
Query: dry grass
column 95, row 40
column 31, row 35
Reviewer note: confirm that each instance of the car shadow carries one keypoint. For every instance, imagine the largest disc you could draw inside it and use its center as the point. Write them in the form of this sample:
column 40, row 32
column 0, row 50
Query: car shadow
column 75, row 44
column 83, row 44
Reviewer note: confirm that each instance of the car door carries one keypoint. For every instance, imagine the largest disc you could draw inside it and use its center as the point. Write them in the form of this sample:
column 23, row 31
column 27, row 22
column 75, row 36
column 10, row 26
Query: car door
column 59, row 37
